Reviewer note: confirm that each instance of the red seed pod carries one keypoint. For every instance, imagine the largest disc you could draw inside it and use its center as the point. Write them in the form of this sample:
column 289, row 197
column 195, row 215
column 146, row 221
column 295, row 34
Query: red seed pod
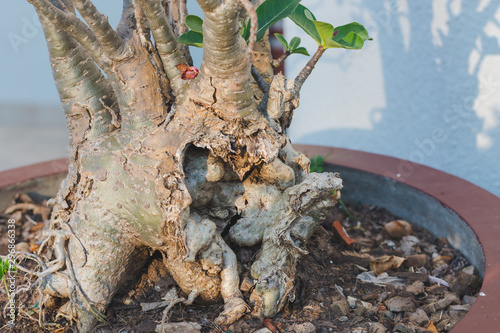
column 187, row 72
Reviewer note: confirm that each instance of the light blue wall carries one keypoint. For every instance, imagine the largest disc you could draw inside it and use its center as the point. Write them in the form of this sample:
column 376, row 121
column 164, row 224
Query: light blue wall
column 25, row 72
column 426, row 89
column 26, row 76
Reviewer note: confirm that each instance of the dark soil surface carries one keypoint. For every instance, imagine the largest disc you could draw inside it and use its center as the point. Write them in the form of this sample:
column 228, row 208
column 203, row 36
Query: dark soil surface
column 423, row 285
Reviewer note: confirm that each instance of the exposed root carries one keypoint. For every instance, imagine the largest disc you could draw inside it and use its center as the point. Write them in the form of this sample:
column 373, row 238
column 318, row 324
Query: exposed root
column 76, row 286
column 70, row 284
column 234, row 309
column 173, row 302
column 234, row 305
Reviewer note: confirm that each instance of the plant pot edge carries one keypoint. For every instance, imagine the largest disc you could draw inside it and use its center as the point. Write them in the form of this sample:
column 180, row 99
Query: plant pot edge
column 478, row 207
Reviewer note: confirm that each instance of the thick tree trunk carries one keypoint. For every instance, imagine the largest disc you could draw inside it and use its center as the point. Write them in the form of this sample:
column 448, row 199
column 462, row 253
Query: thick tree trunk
column 162, row 164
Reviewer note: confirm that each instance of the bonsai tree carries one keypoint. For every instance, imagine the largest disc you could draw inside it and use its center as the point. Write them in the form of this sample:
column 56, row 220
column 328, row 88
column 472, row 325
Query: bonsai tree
column 185, row 162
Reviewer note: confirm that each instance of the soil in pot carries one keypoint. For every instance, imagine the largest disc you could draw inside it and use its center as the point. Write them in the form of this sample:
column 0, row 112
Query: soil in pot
column 380, row 276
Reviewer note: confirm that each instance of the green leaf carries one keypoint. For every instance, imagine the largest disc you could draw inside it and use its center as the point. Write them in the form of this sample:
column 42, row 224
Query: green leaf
column 299, row 18
column 194, row 23
column 294, row 43
column 245, row 31
column 355, row 27
column 272, row 11
column 351, row 41
column 2, row 269
column 349, row 36
column 282, row 41
column 300, row 50
column 317, row 163
column 13, row 267
column 191, row 38
column 325, row 30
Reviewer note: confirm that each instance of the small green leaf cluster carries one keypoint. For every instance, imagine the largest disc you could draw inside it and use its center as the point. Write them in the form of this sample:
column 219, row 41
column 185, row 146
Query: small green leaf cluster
column 317, row 163
column 349, row 36
column 6, row 266
column 293, row 46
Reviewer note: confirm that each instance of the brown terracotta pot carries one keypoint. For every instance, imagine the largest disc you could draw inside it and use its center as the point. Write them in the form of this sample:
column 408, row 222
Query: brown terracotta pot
column 468, row 216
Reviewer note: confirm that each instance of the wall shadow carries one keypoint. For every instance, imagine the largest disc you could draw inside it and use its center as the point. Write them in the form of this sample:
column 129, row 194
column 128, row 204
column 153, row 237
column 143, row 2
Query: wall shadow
column 434, row 97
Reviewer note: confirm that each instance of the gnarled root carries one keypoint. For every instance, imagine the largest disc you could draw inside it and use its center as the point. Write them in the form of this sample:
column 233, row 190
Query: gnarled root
column 302, row 208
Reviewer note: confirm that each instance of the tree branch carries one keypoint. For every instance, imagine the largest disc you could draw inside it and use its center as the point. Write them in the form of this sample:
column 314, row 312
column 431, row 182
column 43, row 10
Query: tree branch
column 177, row 12
column 226, row 66
column 127, row 21
column 306, row 71
column 165, row 40
column 109, row 39
column 183, row 12
column 277, row 62
column 209, row 5
column 261, row 83
column 81, row 85
column 76, row 28
column 65, row 5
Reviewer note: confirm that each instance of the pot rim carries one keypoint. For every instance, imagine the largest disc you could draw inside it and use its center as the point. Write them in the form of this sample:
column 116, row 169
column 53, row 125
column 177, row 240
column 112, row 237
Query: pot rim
column 15, row 176
column 479, row 208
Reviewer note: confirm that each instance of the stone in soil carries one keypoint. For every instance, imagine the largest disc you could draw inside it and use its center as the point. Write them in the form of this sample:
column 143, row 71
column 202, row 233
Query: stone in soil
column 416, row 288
column 419, row 317
column 416, row 260
column 185, row 327
column 304, row 328
column 400, row 304
column 398, row 229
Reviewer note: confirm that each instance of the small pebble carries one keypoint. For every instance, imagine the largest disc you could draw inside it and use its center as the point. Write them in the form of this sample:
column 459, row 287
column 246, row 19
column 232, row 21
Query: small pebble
column 183, row 327
column 419, row 317
column 398, row 229
column 416, row 288
column 304, row 328
column 22, row 247
column 400, row 304
column 389, row 314
column 416, row 260
column 263, row 330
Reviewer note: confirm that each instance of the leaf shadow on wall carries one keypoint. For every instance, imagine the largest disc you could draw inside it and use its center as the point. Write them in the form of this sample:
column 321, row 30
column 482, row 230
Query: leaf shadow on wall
column 441, row 75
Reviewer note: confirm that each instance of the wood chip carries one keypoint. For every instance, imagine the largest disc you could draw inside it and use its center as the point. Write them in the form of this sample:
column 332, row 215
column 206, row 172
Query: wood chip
column 416, row 260
column 448, row 299
column 362, row 260
column 385, row 263
column 185, row 327
column 416, row 288
column 247, row 284
column 412, row 276
column 401, row 304
column 339, row 229
column 407, row 328
column 270, row 325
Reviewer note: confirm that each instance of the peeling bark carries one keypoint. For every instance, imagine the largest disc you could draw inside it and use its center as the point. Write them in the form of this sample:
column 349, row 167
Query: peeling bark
column 183, row 167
